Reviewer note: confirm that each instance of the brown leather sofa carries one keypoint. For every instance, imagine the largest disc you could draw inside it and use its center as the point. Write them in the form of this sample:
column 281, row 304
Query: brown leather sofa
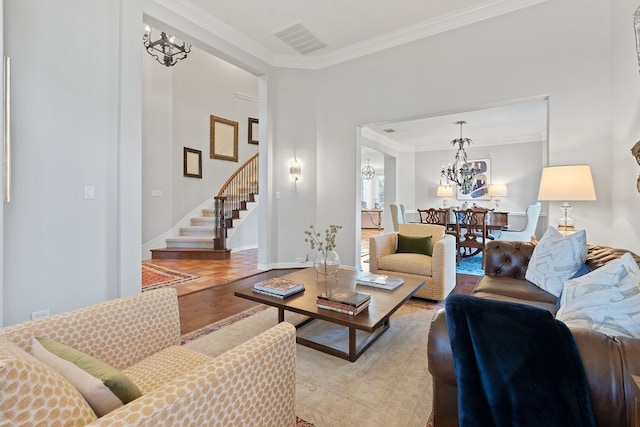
column 609, row 361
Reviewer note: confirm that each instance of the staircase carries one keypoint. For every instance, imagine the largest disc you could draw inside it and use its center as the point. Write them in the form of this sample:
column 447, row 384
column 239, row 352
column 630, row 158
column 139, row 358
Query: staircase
column 201, row 239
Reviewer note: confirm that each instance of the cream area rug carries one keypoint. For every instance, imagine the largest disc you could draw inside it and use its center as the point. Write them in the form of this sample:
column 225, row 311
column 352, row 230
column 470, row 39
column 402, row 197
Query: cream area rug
column 389, row 385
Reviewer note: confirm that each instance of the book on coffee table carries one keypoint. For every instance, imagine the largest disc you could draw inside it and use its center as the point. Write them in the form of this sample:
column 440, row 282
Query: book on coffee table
column 342, row 308
column 380, row 281
column 349, row 298
column 278, row 287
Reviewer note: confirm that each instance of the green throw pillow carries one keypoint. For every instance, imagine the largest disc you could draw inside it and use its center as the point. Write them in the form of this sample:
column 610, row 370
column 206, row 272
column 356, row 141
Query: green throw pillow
column 415, row 245
column 104, row 387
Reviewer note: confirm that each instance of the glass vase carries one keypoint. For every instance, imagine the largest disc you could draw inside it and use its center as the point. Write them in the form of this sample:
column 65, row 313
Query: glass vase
column 327, row 264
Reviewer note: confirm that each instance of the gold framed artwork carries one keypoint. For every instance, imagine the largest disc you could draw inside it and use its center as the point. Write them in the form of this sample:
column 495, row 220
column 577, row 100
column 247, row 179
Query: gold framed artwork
column 253, row 131
column 192, row 163
column 223, row 139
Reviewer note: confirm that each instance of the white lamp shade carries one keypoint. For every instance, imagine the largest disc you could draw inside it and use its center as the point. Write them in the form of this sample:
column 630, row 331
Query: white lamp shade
column 498, row 190
column 445, row 191
column 566, row 183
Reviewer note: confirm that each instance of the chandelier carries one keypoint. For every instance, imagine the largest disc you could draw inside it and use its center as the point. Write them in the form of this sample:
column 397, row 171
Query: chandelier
column 165, row 50
column 461, row 172
column 368, row 172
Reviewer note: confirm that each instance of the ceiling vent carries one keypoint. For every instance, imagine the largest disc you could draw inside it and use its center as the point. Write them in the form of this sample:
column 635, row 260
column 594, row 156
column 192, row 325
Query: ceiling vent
column 300, row 38
column 390, row 130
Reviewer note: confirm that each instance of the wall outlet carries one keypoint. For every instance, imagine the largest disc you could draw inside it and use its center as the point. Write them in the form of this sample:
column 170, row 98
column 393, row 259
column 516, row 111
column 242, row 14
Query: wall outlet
column 39, row 314
column 89, row 192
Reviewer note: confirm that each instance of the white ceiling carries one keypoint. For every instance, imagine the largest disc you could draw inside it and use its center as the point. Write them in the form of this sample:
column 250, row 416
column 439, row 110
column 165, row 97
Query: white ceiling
column 349, row 28
column 510, row 124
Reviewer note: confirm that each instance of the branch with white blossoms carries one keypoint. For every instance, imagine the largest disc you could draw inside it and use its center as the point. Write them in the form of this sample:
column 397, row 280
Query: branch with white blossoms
column 329, row 243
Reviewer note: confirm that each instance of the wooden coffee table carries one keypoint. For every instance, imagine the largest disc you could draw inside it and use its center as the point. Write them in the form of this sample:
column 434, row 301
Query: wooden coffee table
column 374, row 320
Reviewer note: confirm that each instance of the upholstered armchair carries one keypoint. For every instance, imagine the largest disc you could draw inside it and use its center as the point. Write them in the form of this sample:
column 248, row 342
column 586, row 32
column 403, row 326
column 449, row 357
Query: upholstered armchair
column 438, row 270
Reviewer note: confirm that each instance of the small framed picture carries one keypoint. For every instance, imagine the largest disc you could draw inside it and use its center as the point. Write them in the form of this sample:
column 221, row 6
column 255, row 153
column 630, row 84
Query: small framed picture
column 253, row 131
column 223, row 139
column 192, row 163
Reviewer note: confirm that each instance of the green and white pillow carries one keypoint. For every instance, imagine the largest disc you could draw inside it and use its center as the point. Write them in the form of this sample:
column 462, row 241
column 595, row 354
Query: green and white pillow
column 555, row 259
column 104, row 387
column 606, row 300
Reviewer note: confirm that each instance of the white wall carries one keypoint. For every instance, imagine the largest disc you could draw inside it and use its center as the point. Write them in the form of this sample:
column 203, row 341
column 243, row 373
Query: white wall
column 62, row 250
column 178, row 102
column 625, row 133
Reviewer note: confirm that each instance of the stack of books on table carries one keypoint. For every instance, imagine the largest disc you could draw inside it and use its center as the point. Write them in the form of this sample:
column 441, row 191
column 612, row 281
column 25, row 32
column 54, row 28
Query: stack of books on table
column 278, row 287
column 380, row 281
column 346, row 302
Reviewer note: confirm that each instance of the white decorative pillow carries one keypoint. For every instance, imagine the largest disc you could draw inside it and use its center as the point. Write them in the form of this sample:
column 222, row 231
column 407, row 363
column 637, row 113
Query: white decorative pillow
column 104, row 387
column 31, row 393
column 606, row 300
column 555, row 259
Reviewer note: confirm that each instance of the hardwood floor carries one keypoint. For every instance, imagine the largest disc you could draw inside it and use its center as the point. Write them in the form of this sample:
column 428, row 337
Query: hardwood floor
column 207, row 306
column 203, row 307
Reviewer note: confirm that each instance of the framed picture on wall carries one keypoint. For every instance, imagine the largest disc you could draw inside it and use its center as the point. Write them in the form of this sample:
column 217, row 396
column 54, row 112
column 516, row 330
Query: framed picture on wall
column 223, row 139
column 479, row 189
column 253, row 130
column 192, row 163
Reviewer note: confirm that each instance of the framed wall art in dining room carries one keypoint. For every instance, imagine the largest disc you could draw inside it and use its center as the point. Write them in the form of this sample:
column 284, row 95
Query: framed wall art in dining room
column 479, row 189
column 192, row 163
column 223, row 139
column 253, row 131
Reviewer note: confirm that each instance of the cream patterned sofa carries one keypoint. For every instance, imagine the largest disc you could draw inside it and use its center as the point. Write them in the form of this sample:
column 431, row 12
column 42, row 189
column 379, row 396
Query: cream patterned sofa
column 438, row 271
column 252, row 384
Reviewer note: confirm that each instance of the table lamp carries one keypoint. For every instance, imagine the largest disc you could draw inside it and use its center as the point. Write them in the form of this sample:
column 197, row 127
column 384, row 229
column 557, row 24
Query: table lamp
column 566, row 183
column 445, row 191
column 496, row 191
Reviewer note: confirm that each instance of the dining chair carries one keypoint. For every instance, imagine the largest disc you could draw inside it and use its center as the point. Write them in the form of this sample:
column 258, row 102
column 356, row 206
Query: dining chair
column 471, row 232
column 397, row 215
column 433, row 216
column 529, row 230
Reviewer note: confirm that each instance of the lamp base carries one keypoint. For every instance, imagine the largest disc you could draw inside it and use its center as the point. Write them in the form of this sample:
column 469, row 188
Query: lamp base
column 565, row 221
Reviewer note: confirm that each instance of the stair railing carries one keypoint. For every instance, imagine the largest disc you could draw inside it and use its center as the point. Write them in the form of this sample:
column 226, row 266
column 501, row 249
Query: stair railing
column 240, row 188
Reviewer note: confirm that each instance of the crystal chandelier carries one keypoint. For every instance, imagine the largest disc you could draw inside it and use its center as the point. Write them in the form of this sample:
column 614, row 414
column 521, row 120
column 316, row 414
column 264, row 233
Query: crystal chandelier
column 165, row 50
column 461, row 172
column 368, row 172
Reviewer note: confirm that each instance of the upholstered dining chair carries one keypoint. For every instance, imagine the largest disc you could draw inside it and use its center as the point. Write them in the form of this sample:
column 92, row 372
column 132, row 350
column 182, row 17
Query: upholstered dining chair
column 397, row 215
column 529, row 230
column 471, row 231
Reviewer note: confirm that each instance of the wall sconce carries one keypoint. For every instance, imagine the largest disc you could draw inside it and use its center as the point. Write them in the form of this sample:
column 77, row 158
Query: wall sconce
column 295, row 170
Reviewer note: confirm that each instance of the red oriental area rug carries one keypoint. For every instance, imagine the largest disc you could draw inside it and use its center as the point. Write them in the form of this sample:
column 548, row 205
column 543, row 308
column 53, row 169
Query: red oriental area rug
column 154, row 277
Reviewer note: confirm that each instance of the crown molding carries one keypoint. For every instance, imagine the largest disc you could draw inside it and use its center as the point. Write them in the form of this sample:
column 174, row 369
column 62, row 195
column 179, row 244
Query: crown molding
column 406, row 35
column 371, row 135
column 207, row 21
column 210, row 23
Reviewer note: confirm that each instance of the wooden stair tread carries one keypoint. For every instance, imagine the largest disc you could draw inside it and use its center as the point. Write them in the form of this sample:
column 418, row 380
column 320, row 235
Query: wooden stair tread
column 190, row 253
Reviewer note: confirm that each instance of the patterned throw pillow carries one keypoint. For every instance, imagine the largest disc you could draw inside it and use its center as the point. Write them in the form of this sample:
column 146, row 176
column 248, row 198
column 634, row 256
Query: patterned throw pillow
column 32, row 394
column 555, row 259
column 606, row 300
column 104, row 387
